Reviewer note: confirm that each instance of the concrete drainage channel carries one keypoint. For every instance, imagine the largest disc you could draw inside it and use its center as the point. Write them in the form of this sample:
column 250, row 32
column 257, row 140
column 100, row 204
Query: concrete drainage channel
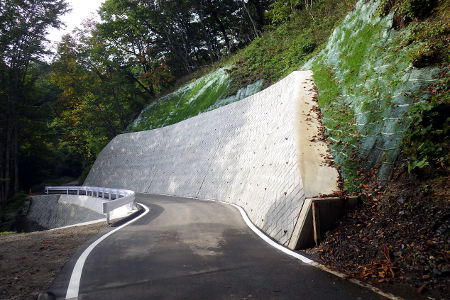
column 77, row 205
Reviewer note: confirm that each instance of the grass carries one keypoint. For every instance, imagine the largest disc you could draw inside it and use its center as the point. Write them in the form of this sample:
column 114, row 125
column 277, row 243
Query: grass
column 287, row 47
column 281, row 50
column 364, row 88
column 361, row 69
column 7, row 232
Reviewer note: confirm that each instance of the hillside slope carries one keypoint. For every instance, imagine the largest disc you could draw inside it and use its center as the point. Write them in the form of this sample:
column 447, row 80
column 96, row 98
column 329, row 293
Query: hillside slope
column 381, row 68
column 366, row 64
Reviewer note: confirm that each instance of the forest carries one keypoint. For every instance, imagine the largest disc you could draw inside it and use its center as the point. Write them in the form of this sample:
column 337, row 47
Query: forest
column 58, row 113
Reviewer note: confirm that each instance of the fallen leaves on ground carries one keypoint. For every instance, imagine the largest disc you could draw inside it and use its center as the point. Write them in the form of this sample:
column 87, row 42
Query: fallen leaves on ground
column 399, row 236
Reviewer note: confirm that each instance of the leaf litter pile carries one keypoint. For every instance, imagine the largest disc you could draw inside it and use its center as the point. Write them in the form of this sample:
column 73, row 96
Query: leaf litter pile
column 398, row 239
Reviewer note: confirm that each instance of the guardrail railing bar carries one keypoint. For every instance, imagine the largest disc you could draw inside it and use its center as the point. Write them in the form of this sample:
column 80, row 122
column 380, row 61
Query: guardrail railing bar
column 122, row 197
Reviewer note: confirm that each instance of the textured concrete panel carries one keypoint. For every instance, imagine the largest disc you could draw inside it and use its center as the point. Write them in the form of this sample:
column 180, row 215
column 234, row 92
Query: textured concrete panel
column 95, row 204
column 49, row 212
column 257, row 153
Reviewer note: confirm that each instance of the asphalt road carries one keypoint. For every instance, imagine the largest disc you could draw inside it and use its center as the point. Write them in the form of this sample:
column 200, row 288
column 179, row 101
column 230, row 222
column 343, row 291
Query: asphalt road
column 191, row 249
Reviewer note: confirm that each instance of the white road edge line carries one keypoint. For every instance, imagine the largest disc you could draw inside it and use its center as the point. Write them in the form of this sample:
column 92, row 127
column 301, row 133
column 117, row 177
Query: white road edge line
column 294, row 254
column 74, row 283
column 93, row 221
column 305, row 259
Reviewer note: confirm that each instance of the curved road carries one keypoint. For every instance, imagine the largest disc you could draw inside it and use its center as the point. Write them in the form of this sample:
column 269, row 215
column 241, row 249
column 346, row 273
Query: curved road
column 191, row 249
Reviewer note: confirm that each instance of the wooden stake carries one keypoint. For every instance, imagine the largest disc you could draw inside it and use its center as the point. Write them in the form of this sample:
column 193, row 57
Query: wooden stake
column 316, row 222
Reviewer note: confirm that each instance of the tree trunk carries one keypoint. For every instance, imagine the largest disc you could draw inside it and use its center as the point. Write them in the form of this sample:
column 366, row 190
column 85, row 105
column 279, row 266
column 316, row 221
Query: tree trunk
column 255, row 30
column 222, row 30
column 259, row 13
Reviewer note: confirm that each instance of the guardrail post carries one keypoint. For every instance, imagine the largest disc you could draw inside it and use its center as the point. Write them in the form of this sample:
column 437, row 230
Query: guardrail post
column 67, row 191
column 107, row 218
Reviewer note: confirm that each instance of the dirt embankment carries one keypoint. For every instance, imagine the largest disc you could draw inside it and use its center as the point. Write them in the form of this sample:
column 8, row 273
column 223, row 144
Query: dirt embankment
column 397, row 240
column 29, row 262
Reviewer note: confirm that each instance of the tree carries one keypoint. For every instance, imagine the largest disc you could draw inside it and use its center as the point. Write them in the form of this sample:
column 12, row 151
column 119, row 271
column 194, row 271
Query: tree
column 181, row 34
column 281, row 10
column 23, row 27
column 98, row 98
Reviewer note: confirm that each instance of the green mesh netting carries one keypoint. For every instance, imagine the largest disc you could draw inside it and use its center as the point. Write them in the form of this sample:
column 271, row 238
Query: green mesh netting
column 366, row 87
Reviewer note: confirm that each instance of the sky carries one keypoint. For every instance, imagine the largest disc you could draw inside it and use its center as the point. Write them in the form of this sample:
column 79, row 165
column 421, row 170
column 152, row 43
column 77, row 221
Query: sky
column 81, row 9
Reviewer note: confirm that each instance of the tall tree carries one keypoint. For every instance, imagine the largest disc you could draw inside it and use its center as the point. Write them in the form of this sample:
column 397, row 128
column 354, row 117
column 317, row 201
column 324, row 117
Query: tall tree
column 23, row 27
column 183, row 34
column 99, row 98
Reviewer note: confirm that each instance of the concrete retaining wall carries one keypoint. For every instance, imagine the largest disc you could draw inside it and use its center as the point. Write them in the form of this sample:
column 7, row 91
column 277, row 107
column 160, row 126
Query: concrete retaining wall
column 50, row 212
column 96, row 204
column 260, row 153
column 53, row 211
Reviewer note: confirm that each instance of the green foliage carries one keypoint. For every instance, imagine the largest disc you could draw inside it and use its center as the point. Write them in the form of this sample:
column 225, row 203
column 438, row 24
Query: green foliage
column 341, row 129
column 427, row 144
column 97, row 101
column 432, row 31
column 7, row 232
column 281, row 10
column 42, row 156
column 12, row 209
column 186, row 102
column 284, row 49
column 419, row 8
column 183, row 34
column 366, row 86
column 23, row 28
column 433, row 36
column 408, row 10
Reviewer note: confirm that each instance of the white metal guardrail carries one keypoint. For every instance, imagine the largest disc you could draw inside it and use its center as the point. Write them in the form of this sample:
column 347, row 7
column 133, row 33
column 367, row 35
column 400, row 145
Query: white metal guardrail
column 114, row 198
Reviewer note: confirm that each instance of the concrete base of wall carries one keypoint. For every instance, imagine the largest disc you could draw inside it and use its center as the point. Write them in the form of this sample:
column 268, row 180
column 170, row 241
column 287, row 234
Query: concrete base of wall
column 96, row 204
column 328, row 212
column 54, row 211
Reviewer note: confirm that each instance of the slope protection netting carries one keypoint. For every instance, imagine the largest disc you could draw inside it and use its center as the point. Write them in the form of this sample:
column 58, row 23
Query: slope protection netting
column 204, row 94
column 367, row 86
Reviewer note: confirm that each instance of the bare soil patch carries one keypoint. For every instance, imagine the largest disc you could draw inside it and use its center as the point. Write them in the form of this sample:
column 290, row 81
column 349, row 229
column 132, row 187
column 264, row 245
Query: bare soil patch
column 29, row 262
column 398, row 240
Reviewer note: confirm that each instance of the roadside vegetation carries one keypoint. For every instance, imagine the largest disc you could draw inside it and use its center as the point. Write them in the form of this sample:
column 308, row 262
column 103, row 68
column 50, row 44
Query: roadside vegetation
column 382, row 72
column 398, row 239
column 295, row 34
